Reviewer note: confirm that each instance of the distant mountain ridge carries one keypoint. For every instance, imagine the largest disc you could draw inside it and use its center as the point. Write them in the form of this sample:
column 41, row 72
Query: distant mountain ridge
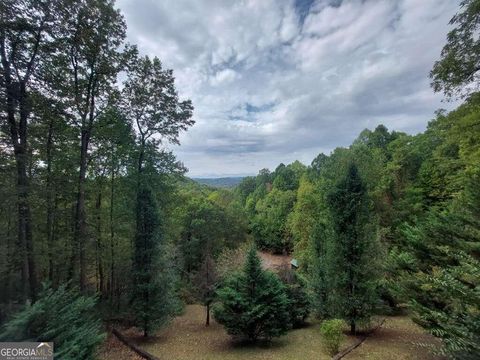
column 221, row 182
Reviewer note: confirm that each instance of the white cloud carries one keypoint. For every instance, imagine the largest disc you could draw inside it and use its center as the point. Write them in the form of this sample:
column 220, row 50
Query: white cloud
column 268, row 87
column 224, row 77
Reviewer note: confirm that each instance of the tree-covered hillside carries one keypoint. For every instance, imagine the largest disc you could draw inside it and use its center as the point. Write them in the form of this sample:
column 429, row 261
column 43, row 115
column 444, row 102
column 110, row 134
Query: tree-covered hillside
column 419, row 223
column 220, row 182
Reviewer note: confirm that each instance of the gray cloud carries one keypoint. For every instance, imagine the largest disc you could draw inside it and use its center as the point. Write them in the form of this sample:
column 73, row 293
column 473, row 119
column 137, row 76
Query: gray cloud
column 277, row 80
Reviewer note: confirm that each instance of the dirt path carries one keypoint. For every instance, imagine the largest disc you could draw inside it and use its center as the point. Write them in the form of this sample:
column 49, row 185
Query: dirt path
column 113, row 349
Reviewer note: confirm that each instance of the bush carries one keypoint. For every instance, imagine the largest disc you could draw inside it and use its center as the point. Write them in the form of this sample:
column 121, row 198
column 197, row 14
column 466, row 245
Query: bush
column 253, row 303
column 332, row 335
column 62, row 316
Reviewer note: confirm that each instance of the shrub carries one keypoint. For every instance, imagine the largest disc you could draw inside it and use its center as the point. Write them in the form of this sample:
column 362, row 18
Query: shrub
column 62, row 316
column 332, row 335
column 253, row 303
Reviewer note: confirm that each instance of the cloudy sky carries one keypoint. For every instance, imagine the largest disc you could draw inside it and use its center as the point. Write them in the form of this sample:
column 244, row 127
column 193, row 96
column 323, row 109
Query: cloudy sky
column 278, row 80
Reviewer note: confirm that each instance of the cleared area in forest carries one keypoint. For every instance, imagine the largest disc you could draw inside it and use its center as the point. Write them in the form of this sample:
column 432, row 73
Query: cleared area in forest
column 273, row 262
column 187, row 338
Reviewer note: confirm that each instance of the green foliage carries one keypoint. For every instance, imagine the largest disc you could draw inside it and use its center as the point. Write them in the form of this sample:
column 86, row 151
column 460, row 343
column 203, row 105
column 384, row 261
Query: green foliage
column 320, row 265
column 380, row 138
column 268, row 200
column 269, row 225
column 65, row 211
column 351, row 257
column 332, row 335
column 297, row 294
column 442, row 276
column 219, row 183
column 151, row 103
column 253, row 303
column 449, row 305
column 82, row 140
column 287, row 177
column 206, row 219
column 245, row 188
column 456, row 73
column 62, row 316
column 303, row 219
column 153, row 296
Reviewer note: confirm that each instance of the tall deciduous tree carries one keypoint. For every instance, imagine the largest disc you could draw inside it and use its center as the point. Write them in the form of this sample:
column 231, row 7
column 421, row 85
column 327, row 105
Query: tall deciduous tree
column 151, row 102
column 25, row 30
column 114, row 145
column 84, row 72
column 269, row 225
column 303, row 219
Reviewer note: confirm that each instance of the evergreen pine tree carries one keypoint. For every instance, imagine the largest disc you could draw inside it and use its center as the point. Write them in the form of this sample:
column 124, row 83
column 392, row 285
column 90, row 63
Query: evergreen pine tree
column 253, row 303
column 297, row 294
column 153, row 293
column 62, row 316
column 319, row 280
column 442, row 276
column 350, row 254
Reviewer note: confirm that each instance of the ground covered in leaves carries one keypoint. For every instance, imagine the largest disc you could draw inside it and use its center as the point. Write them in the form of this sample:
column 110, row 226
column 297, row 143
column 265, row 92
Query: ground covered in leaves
column 398, row 339
column 114, row 349
column 188, row 338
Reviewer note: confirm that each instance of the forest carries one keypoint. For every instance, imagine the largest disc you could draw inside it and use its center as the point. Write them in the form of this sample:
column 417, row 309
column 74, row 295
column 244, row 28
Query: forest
column 101, row 228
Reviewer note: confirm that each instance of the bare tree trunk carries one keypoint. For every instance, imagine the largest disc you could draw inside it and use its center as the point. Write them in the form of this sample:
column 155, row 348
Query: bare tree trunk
column 80, row 233
column 50, row 197
column 208, row 284
column 9, row 255
column 207, row 323
column 112, row 234
column 353, row 327
column 352, row 294
column 141, row 156
column 19, row 140
column 98, row 208
column 16, row 94
column 55, row 276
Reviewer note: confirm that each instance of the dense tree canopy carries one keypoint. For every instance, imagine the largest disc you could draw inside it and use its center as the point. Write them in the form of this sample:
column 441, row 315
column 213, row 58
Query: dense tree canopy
column 417, row 188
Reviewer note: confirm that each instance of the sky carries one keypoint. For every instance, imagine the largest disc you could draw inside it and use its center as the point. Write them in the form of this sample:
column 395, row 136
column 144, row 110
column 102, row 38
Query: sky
column 275, row 81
